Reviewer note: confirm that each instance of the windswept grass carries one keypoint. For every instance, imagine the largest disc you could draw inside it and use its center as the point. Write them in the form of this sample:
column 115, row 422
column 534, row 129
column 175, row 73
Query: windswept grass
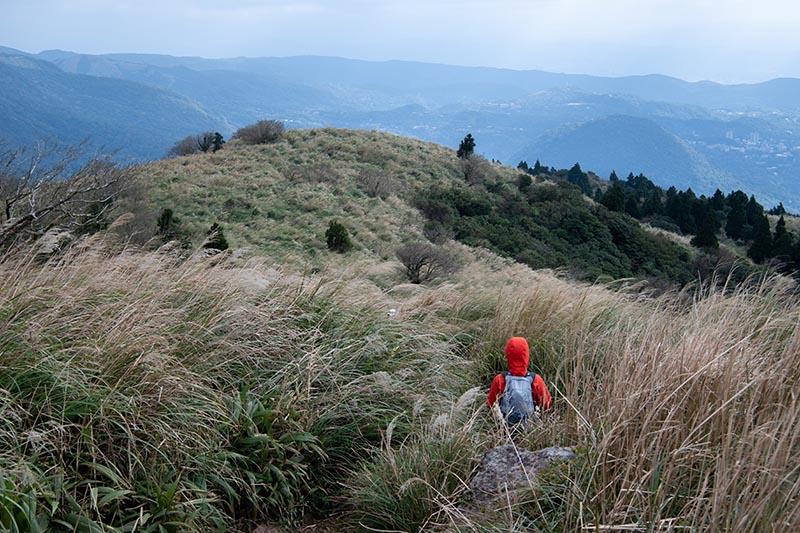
column 141, row 394
column 686, row 415
column 138, row 394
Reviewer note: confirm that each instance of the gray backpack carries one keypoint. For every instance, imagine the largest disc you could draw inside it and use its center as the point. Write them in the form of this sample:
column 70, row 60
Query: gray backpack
column 516, row 403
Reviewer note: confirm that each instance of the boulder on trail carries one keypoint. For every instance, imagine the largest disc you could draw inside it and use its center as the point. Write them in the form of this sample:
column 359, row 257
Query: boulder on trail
column 505, row 470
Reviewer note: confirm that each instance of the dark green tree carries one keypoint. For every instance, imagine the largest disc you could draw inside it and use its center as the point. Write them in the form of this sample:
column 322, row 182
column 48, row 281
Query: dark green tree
column 652, row 203
column 167, row 225
column 337, row 237
column 718, row 201
column 707, row 231
column 524, row 181
column 467, row 147
column 613, row 178
column 216, row 238
column 754, row 211
column 632, row 206
column 737, row 216
column 217, row 141
column 782, row 244
column 577, row 177
column 614, row 198
column 205, row 141
column 761, row 248
column 778, row 209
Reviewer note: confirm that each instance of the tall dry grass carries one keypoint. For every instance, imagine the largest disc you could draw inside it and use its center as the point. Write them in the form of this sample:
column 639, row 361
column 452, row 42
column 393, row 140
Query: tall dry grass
column 140, row 392
column 686, row 415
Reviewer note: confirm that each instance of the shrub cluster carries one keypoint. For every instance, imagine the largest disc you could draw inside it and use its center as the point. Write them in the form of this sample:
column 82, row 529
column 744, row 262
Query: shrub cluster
column 337, row 237
column 423, row 262
column 550, row 225
column 262, row 132
column 209, row 141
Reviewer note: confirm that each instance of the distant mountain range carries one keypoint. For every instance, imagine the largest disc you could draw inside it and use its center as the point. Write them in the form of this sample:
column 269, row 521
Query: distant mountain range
column 704, row 135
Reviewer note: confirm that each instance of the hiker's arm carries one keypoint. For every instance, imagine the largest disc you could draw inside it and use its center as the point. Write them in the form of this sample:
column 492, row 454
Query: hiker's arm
column 541, row 396
column 498, row 385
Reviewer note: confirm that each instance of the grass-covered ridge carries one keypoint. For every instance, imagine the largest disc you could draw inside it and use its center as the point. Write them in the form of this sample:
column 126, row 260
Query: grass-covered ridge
column 279, row 198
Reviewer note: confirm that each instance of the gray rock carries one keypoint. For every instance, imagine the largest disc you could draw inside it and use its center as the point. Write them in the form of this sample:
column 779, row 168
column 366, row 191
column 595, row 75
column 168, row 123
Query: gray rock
column 505, row 470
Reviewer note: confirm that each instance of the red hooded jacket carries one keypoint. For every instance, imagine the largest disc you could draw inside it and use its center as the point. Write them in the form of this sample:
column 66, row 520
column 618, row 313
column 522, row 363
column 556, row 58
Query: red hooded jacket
column 518, row 356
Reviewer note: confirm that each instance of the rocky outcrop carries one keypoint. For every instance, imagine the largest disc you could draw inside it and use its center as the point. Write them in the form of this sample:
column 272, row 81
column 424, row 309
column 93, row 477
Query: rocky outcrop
column 505, row 470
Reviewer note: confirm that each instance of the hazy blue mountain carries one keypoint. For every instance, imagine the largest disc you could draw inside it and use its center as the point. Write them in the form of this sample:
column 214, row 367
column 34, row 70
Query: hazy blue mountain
column 435, row 84
column 41, row 102
column 702, row 134
column 239, row 96
column 626, row 144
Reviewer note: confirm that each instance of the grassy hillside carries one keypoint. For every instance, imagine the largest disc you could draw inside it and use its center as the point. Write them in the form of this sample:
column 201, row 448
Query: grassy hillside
column 279, row 199
column 142, row 391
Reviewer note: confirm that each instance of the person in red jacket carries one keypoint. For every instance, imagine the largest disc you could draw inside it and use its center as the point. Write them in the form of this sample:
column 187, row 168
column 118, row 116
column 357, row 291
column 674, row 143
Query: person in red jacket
column 518, row 357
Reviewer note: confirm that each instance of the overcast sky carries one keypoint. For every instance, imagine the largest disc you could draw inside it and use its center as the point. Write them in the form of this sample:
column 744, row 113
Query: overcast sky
column 720, row 40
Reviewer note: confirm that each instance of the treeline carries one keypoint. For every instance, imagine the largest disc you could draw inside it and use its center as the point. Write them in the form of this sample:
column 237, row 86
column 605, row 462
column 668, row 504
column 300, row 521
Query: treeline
column 735, row 215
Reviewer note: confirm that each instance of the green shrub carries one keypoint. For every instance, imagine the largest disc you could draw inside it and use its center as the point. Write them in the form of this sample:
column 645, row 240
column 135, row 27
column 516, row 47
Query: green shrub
column 216, row 238
column 337, row 237
column 167, row 225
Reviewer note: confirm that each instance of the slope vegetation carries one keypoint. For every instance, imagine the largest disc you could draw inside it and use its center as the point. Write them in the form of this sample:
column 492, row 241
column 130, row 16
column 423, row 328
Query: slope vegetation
column 391, row 190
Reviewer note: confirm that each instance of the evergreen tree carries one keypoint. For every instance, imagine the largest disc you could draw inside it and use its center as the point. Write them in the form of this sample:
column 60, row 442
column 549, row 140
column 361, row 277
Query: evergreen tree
column 579, row 178
column 337, row 238
column 167, row 225
column 782, row 244
column 679, row 209
column 707, row 232
column 613, row 178
column 754, row 212
column 614, row 198
column 632, row 206
column 761, row 248
column 652, row 203
column 538, row 168
column 205, row 141
column 217, row 141
column 467, row 147
column 216, row 238
column 524, row 181
column 736, row 222
column 778, row 209
column 718, row 201
column 523, row 165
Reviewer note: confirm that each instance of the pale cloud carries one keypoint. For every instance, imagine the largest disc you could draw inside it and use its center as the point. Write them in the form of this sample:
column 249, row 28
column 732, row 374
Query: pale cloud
column 728, row 40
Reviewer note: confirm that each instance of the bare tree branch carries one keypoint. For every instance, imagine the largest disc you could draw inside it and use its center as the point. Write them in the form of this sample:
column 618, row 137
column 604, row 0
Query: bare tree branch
column 44, row 186
column 423, row 262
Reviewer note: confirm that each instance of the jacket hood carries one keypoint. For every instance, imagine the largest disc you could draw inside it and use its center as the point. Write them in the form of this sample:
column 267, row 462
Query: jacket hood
column 518, row 356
